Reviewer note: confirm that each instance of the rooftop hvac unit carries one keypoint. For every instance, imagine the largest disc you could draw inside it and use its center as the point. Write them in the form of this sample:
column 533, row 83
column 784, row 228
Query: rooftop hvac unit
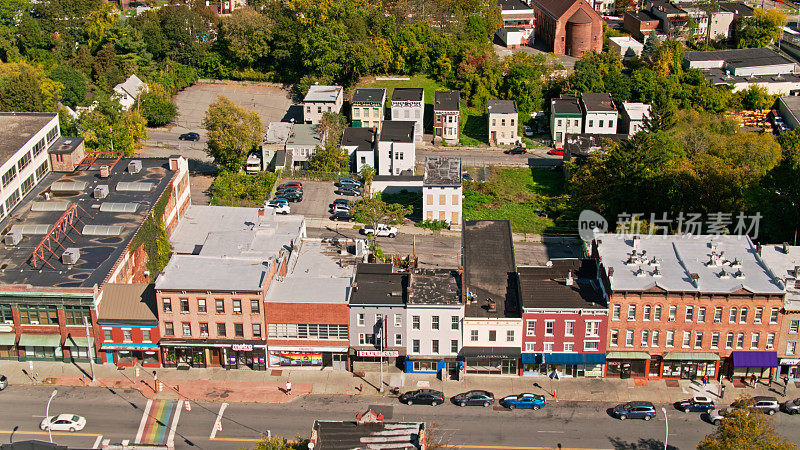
column 101, row 191
column 173, row 163
column 105, row 171
column 13, row 238
column 135, row 166
column 71, row 255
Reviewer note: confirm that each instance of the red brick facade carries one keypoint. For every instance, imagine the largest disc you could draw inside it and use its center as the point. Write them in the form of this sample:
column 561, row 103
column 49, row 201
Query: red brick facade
column 572, row 32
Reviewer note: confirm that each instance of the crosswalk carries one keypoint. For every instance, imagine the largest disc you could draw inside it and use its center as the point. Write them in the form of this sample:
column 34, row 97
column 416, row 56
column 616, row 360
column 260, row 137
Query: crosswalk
column 159, row 422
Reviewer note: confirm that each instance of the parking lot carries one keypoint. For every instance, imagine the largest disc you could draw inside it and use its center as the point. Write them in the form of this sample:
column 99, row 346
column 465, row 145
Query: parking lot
column 317, row 197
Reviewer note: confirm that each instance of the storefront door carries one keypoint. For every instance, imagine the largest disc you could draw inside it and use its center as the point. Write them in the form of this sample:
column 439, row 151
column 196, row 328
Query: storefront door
column 245, row 360
column 339, row 361
column 215, row 358
column 689, row 371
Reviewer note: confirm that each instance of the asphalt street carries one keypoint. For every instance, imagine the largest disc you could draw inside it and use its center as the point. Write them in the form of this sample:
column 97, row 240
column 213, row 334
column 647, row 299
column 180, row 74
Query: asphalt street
column 120, row 415
column 536, row 157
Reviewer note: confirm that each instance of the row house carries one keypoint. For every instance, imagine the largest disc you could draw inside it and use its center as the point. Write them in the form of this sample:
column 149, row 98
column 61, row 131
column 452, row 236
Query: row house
column 128, row 320
column 320, row 100
column 408, row 104
column 503, row 122
column 446, row 115
column 566, row 117
column 599, row 113
column 441, row 190
column 396, row 149
column 360, row 144
column 784, row 262
column 565, row 318
column 366, row 107
column 685, row 306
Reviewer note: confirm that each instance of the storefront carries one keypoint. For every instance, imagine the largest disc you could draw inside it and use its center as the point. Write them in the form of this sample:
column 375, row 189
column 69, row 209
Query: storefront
column 588, row 365
column 244, row 356
column 183, row 355
column 627, row 364
column 689, row 365
column 125, row 355
column 789, row 367
column 76, row 349
column 430, row 364
column 40, row 347
column 291, row 356
column 491, row 360
column 8, row 345
column 745, row 364
column 371, row 360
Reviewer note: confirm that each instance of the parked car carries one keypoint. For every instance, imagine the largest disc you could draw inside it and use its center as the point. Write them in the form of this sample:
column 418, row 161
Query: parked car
column 525, row 400
column 792, row 406
column 63, row 422
column 292, row 196
column 191, row 136
column 342, row 216
column 696, row 404
column 474, row 398
column 341, row 208
column 556, row 152
column 516, row 151
column 291, row 184
column 382, row 230
column 347, row 191
column 422, row 397
column 528, row 131
column 715, row 416
column 348, row 182
column 340, row 201
column 634, row 410
column 289, row 189
column 765, row 404
column 280, row 200
column 279, row 207
column 3, row 382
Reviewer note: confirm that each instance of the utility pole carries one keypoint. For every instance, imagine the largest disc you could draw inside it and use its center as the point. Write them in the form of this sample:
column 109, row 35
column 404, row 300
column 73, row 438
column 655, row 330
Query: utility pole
column 383, row 332
column 89, row 346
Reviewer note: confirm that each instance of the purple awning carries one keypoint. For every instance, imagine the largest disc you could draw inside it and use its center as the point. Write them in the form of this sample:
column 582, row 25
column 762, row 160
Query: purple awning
column 754, row 359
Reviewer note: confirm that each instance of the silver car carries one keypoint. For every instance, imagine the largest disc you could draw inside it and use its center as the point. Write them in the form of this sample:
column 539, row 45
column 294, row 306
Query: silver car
column 792, row 406
column 3, row 382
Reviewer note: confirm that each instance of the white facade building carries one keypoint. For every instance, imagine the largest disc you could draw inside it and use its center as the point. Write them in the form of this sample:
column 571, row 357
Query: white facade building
column 322, row 99
column 566, row 118
column 599, row 113
column 632, row 116
column 408, row 104
column 129, row 90
column 626, row 46
column 441, row 190
column 396, row 150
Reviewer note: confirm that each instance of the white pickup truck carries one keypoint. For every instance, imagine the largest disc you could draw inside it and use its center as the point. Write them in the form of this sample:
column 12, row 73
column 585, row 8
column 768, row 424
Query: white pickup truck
column 383, row 230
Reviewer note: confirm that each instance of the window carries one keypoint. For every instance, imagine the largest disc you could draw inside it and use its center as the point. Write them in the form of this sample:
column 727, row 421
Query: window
column 729, row 340
column 530, row 346
column 754, row 338
column 27, row 185
column 629, row 338
column 435, row 346
column 167, row 305
column 577, row 123
column 657, row 315
column 794, row 325
column 454, row 322
column 201, row 305
column 732, row 317
column 715, row 340
column 255, row 306
column 184, row 305
column 740, row 340
column 415, row 346
column 530, row 328
column 645, row 338
column 221, row 330
column 569, row 328
column 509, row 335
column 126, row 335
column 698, row 340
column 656, row 335
column 770, row 341
column 647, row 312
column 12, row 200
column 591, row 346
column 203, row 328
column 670, row 338
column 41, row 314
column 512, row 121
column 689, row 314
column 375, row 112
column 77, row 315
column 187, row 328
column 687, row 339
column 415, row 322
column 454, row 346
column 492, row 335
column 791, row 346
column 591, row 123
column 237, row 306
column 614, row 338
column 398, row 339
column 568, row 346
column 718, row 314
column 559, row 122
column 548, row 347
column 473, row 335
column 52, row 134
column 38, row 148
column 743, row 316
column 701, row 314
column 24, row 161
column 361, row 319
column 238, row 330
column 434, row 322
column 256, row 330
column 631, row 312
column 773, row 315
column 549, row 327
column 356, row 112
column 759, row 315
column 673, row 312
column 398, row 320
column 169, row 330
column 610, row 124
column 9, row 176
column 307, row 331
column 615, row 309
column 592, row 328
column 319, row 109
column 220, row 306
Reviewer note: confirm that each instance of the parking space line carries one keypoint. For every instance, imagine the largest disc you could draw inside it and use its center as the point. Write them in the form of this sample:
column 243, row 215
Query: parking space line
column 217, row 422
column 145, row 415
column 98, row 441
column 171, row 438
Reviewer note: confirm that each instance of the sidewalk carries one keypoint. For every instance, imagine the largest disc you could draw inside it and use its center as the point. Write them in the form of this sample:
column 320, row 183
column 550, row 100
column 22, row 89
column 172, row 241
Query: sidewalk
column 217, row 385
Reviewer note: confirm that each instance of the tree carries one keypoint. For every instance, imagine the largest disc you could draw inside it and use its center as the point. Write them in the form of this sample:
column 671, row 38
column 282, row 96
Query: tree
column 374, row 211
column 523, row 81
column 778, row 194
column 157, row 107
column 367, row 173
column 754, row 97
column 760, row 29
column 74, row 83
column 662, row 114
column 330, row 158
column 280, row 443
column 232, row 133
column 246, row 35
column 105, row 130
column 22, row 91
column 745, row 428
column 332, row 124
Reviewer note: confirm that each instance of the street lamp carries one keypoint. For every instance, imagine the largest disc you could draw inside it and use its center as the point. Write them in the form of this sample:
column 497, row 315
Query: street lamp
column 666, row 424
column 47, row 414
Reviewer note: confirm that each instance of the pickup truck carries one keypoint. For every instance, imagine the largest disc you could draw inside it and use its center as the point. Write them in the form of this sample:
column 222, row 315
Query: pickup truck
column 383, row 230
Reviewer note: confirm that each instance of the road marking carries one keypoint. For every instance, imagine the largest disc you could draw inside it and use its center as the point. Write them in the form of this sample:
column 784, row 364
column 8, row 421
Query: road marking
column 217, row 422
column 98, row 441
column 238, row 439
column 55, row 433
column 550, row 431
column 145, row 415
column 503, row 447
column 171, row 438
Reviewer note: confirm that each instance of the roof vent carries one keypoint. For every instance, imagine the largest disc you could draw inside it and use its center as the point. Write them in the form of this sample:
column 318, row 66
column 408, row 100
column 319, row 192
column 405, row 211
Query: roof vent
column 135, row 166
column 785, row 248
column 105, row 171
column 736, row 263
column 654, row 262
column 71, row 256
column 656, row 272
column 101, row 191
column 724, row 275
column 631, row 261
column 639, row 272
column 738, row 274
column 12, row 238
column 491, row 305
column 635, row 242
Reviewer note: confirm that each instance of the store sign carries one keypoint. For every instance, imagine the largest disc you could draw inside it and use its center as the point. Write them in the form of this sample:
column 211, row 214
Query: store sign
column 384, row 353
column 242, row 347
column 790, row 362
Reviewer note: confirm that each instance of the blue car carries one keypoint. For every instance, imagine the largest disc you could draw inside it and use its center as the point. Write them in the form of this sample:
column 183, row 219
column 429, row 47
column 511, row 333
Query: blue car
column 526, row 400
column 280, row 200
column 634, row 410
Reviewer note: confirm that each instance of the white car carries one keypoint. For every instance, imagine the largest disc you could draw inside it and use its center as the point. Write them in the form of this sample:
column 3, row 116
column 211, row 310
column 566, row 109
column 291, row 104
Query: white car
column 280, row 208
column 63, row 422
column 383, row 230
column 341, row 208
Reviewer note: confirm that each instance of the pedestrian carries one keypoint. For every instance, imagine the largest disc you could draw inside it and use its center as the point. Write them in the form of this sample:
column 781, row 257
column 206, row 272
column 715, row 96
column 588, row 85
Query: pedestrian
column 753, row 380
column 360, row 387
column 785, row 384
column 722, row 392
column 288, row 387
column 705, row 380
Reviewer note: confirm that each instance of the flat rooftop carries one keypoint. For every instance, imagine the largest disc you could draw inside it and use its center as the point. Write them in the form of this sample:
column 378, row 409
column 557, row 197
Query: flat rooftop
column 377, row 284
column 369, row 95
column 213, row 273
column 740, row 57
column 719, row 76
column 18, row 129
column 740, row 9
column 345, row 435
column 442, row 171
column 513, row 5
column 305, row 134
column 642, row 16
column 501, row 107
column 434, row 287
column 397, row 131
column 489, row 268
column 784, row 262
column 566, row 104
column 635, row 110
column 278, row 133
column 548, row 286
column 109, row 230
column 319, row 93
column 407, row 94
column 598, row 102
column 681, row 263
column 361, row 138
column 446, row 100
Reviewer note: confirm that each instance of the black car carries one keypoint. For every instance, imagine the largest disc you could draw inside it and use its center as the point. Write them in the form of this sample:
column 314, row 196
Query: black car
column 474, row 398
column 189, row 137
column 422, row 397
column 291, row 196
column 281, row 192
column 516, row 151
column 347, row 191
column 342, row 216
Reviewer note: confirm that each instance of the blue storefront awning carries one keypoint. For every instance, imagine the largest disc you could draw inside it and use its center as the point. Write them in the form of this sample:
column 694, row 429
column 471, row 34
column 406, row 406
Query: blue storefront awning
column 754, row 359
column 563, row 358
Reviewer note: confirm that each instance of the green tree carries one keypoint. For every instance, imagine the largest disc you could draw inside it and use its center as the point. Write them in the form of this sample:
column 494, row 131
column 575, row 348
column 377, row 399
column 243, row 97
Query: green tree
column 332, row 125
column 330, row 158
column 662, row 114
column 760, row 29
column 373, row 211
column 280, row 443
column 22, row 91
column 75, row 87
column 246, row 36
column 157, row 107
column 754, row 97
column 778, row 195
column 367, row 174
column 745, row 428
column 119, row 132
column 523, row 81
column 232, row 133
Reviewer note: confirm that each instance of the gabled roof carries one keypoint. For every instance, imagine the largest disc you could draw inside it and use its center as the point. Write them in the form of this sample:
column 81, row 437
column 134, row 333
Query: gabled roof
column 557, row 8
column 133, row 85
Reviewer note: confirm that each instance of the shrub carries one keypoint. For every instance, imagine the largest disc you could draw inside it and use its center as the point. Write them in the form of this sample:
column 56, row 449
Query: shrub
column 241, row 189
column 433, row 225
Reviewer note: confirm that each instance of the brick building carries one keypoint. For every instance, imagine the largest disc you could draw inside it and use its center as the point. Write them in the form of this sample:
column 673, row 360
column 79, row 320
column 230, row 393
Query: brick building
column 128, row 320
column 689, row 306
column 569, row 27
column 565, row 318
column 784, row 262
column 446, row 114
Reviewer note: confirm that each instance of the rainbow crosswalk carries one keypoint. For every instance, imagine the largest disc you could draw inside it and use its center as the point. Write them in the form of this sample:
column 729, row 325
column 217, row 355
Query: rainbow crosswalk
column 155, row 425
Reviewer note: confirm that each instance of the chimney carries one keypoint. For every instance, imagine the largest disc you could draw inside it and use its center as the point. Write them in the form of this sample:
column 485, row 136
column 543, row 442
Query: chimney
column 610, row 274
column 491, row 305
column 785, row 248
column 635, row 243
column 758, row 249
column 695, row 279
column 569, row 280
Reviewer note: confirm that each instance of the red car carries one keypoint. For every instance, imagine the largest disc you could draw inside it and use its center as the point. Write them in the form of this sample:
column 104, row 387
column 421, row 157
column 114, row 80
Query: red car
column 556, row 152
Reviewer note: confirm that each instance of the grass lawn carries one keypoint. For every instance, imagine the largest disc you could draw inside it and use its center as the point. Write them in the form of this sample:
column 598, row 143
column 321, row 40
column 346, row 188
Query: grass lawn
column 475, row 130
column 416, row 81
column 523, row 196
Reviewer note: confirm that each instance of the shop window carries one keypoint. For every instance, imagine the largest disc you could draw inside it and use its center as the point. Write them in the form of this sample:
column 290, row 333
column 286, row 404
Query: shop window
column 255, row 306
column 238, row 330
column 169, row 329
column 425, row 366
column 107, row 335
column 150, row 358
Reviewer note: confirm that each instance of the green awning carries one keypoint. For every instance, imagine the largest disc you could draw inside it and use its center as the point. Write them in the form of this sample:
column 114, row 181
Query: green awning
column 7, row 338
column 40, row 340
column 76, row 341
column 627, row 355
column 690, row 356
